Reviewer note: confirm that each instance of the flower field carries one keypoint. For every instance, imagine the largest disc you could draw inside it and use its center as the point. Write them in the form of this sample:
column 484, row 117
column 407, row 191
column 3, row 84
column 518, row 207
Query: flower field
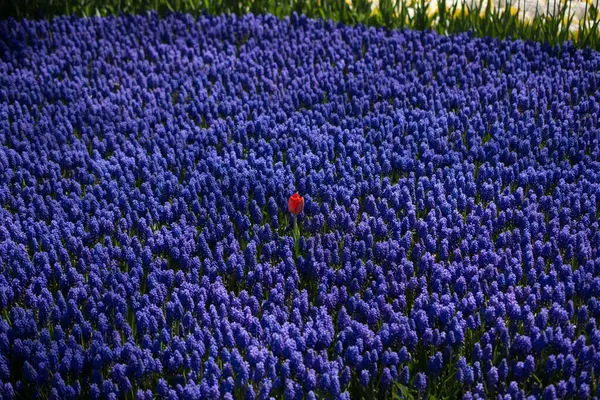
column 444, row 242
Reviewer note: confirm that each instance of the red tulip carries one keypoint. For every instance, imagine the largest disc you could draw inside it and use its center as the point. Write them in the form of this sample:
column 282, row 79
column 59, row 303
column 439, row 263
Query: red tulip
column 295, row 204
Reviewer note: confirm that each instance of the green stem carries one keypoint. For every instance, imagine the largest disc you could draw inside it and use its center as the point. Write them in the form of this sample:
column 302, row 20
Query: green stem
column 296, row 236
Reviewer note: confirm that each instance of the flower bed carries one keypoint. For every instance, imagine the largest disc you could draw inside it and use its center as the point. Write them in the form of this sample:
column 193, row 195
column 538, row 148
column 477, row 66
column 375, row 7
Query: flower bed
column 447, row 244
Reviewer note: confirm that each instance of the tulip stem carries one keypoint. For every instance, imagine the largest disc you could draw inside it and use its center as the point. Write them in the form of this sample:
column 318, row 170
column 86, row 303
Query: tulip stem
column 296, row 236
